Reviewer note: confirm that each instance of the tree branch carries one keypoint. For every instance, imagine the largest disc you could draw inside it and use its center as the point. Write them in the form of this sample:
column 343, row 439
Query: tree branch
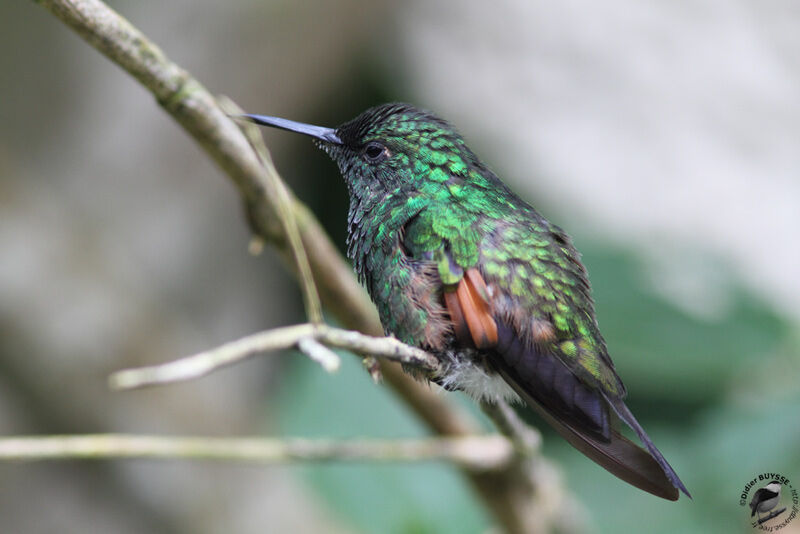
column 477, row 453
column 312, row 339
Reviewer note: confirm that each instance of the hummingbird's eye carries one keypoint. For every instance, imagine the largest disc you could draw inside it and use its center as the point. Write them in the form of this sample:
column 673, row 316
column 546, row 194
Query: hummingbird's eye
column 375, row 152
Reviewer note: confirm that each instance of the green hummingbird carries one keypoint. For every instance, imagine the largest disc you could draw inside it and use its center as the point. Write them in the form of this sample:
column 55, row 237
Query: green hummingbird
column 460, row 266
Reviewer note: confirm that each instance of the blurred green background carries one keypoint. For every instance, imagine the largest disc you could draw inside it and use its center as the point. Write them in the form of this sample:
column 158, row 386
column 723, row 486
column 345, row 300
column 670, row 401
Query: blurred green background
column 662, row 137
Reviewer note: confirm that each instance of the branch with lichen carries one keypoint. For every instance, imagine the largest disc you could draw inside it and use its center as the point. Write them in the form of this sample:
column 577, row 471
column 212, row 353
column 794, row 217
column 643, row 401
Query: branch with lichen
column 513, row 495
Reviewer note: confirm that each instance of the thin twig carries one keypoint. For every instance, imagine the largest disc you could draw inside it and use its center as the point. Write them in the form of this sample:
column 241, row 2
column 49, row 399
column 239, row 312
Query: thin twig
column 321, row 354
column 480, row 453
column 286, row 337
column 285, row 213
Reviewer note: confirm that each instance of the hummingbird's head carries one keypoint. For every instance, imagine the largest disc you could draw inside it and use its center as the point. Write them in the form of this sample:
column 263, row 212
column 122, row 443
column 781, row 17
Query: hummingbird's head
column 388, row 148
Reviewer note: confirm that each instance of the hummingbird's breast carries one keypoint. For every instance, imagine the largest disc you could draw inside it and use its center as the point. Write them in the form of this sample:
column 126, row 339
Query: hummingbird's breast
column 407, row 291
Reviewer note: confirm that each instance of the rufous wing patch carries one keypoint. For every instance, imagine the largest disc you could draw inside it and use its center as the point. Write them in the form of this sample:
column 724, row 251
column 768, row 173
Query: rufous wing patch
column 468, row 305
column 460, row 327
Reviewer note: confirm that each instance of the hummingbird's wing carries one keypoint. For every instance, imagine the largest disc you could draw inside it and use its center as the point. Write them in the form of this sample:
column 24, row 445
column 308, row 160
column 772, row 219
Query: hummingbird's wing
column 579, row 414
column 516, row 290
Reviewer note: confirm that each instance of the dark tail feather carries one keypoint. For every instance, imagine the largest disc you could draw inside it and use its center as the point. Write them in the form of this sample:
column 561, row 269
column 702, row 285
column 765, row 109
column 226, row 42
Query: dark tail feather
column 625, row 414
column 619, row 455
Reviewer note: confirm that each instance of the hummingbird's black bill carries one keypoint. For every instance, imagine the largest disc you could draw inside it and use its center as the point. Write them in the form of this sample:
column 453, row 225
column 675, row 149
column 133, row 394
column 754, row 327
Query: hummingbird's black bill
column 317, row 132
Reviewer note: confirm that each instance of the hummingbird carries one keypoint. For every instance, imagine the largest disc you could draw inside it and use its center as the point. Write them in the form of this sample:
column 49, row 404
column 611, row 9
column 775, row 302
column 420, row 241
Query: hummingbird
column 459, row 265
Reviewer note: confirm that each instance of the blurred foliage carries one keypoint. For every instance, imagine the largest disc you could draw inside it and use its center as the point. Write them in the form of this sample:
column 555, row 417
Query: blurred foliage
column 669, row 356
column 690, row 383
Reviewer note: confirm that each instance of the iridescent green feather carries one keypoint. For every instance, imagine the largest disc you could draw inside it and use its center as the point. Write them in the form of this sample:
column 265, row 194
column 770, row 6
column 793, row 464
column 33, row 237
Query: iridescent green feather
column 443, row 204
